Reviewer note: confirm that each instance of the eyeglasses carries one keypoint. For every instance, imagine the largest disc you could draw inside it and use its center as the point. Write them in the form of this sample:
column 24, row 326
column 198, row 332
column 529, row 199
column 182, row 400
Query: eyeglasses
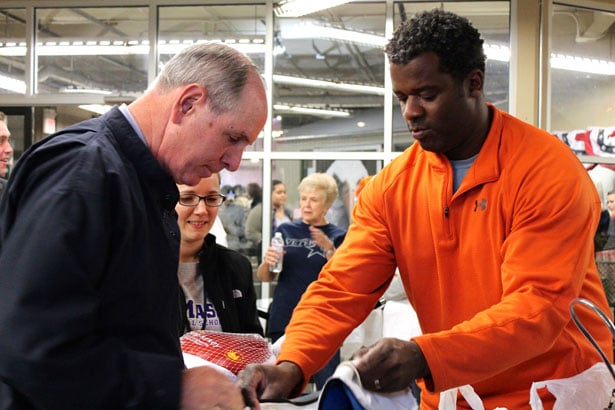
column 193, row 200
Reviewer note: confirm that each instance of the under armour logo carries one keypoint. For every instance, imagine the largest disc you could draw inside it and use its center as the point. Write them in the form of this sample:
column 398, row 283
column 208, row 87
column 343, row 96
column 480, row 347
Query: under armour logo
column 482, row 204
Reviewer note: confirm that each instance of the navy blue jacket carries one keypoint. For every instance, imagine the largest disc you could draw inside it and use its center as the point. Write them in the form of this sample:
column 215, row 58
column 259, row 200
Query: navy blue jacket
column 302, row 262
column 88, row 274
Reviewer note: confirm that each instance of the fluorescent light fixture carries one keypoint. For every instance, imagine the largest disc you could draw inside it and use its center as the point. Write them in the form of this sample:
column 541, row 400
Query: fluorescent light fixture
column 85, row 91
column 12, row 49
column 497, row 52
column 585, row 65
column 244, row 45
column 96, row 108
column 107, row 48
column 311, row 30
column 330, row 85
column 298, row 8
column 558, row 61
column 12, row 84
column 319, row 112
column 256, row 46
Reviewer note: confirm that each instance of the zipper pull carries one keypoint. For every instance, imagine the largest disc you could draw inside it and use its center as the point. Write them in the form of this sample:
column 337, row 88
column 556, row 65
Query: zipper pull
column 446, row 211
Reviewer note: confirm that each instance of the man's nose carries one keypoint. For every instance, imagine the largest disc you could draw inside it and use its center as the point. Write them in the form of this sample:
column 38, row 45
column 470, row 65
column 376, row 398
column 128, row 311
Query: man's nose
column 232, row 158
column 412, row 109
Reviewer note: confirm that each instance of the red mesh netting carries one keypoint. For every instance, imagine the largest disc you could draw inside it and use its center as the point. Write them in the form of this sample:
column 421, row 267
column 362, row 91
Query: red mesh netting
column 233, row 351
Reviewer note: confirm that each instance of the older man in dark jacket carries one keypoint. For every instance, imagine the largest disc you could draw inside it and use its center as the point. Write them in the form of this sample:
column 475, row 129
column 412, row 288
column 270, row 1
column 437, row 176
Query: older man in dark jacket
column 88, row 248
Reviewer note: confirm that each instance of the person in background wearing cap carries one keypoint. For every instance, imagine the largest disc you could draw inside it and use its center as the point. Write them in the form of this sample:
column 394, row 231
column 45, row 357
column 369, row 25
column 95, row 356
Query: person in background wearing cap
column 491, row 247
column 89, row 243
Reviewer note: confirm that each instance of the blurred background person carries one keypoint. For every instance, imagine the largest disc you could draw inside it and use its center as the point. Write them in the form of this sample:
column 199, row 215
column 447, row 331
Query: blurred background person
column 216, row 281
column 308, row 244
column 6, row 150
column 241, row 195
column 279, row 215
column 233, row 215
column 255, row 194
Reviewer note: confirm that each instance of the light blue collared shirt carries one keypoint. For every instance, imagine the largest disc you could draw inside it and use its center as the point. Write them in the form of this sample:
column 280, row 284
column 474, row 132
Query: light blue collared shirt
column 124, row 110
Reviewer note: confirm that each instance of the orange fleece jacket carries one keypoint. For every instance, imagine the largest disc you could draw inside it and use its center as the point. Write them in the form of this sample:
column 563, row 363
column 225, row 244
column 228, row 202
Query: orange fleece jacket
column 490, row 269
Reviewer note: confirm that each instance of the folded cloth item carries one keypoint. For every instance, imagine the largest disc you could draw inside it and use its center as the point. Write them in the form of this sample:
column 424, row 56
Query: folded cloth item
column 344, row 391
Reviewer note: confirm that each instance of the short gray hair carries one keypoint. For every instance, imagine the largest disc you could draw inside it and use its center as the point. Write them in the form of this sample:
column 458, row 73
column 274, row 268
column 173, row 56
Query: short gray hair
column 222, row 70
column 320, row 182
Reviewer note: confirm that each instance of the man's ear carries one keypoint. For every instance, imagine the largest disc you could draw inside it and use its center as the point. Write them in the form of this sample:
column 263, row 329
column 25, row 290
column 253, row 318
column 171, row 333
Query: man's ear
column 476, row 81
column 189, row 97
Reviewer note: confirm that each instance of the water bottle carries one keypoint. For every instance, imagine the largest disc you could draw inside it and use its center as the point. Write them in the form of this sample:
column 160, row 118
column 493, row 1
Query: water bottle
column 277, row 242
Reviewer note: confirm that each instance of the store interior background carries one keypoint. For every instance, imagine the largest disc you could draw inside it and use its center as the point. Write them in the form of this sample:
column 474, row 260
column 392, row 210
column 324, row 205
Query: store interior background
column 331, row 106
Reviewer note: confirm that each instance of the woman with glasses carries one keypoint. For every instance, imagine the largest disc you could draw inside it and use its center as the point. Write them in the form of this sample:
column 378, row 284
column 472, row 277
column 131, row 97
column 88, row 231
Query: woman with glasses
column 216, row 281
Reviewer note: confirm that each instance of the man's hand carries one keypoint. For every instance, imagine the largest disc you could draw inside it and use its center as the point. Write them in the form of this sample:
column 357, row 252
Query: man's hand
column 390, row 365
column 266, row 381
column 206, row 388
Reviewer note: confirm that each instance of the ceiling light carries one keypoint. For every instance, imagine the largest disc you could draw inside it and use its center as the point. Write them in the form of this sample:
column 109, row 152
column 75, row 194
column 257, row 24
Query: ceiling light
column 585, row 65
column 244, row 47
column 310, row 30
column 330, row 85
column 558, row 61
column 297, row 8
column 319, row 112
column 11, row 84
column 84, row 91
column 93, row 48
column 497, row 52
column 96, row 108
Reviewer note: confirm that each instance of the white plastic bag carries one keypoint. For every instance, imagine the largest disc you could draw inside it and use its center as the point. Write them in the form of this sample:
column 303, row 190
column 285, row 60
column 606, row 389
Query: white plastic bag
column 590, row 389
column 448, row 399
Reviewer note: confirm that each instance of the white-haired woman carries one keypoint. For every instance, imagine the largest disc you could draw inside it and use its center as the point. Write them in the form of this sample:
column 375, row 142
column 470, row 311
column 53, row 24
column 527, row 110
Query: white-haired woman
column 308, row 244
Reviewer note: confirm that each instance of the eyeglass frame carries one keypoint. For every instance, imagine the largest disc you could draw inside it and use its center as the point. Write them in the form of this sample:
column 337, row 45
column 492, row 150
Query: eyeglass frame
column 219, row 197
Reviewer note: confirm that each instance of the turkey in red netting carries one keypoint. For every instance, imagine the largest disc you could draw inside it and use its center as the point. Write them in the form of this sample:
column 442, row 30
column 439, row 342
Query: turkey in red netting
column 233, row 351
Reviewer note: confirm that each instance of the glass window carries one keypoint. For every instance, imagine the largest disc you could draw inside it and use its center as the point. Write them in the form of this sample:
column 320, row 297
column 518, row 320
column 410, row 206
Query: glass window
column 583, row 72
column 12, row 51
column 582, row 108
column 92, row 50
column 329, row 79
column 492, row 19
column 242, row 26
